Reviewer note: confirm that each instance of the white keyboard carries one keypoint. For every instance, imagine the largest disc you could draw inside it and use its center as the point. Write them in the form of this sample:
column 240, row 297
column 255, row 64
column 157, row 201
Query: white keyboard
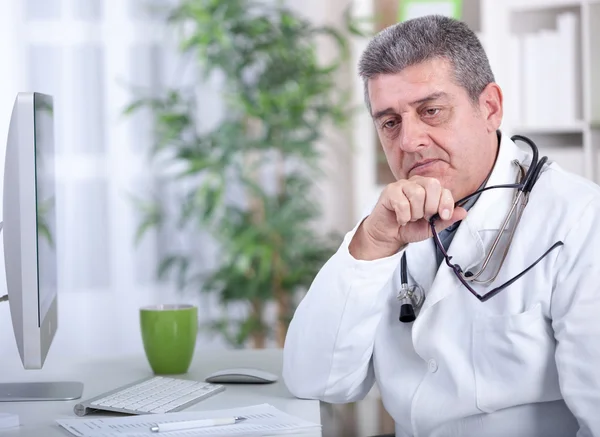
column 157, row 394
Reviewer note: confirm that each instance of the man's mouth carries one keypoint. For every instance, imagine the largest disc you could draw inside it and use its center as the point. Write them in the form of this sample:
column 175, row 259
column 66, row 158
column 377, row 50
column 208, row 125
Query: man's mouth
column 422, row 166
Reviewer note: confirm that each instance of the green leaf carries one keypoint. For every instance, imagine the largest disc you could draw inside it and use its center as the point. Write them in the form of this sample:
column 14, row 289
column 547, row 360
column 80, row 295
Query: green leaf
column 152, row 216
column 168, row 263
column 183, row 267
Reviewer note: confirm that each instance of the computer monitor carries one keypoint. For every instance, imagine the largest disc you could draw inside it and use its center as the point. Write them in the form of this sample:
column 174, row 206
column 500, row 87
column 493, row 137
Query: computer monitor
column 29, row 228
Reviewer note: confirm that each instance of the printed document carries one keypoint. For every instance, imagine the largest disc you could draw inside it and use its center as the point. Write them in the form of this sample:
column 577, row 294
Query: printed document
column 261, row 419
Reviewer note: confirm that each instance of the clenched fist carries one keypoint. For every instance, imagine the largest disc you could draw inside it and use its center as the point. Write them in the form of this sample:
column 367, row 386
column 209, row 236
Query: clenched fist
column 401, row 216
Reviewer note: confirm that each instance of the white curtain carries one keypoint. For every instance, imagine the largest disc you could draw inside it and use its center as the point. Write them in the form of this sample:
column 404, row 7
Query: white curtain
column 88, row 54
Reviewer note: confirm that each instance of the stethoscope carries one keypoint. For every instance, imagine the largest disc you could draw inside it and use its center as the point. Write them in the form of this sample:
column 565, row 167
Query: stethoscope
column 411, row 297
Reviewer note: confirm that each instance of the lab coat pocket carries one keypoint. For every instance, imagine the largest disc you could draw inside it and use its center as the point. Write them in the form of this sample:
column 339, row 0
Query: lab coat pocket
column 513, row 360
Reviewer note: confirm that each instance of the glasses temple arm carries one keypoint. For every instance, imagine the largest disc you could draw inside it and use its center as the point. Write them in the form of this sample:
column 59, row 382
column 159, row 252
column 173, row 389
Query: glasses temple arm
column 464, row 199
column 495, row 291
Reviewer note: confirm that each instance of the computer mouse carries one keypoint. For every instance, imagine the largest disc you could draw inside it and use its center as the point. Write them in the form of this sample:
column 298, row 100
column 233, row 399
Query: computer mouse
column 241, row 375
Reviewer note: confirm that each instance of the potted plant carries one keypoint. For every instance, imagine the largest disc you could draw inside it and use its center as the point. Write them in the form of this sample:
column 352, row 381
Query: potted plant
column 279, row 99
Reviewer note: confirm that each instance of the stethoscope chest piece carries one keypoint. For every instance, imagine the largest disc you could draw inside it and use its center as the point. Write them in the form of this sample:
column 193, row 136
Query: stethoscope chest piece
column 411, row 297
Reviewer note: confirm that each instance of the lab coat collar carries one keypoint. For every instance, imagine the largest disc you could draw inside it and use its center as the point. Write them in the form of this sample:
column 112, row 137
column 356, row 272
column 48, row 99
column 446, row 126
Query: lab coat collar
column 467, row 248
column 490, row 210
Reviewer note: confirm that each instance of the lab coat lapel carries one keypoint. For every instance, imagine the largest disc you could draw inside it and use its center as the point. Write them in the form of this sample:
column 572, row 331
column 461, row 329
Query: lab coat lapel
column 467, row 248
column 421, row 264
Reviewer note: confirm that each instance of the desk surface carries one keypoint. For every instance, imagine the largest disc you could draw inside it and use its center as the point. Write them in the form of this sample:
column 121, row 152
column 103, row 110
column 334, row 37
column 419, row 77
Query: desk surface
column 38, row 418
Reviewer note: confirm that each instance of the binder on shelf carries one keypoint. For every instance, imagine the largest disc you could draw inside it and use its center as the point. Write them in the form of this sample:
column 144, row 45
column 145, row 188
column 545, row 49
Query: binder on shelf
column 515, row 98
column 567, row 47
column 549, row 75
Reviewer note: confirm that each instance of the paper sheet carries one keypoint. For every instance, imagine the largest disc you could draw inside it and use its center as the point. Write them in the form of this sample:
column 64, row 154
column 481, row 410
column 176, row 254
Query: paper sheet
column 261, row 419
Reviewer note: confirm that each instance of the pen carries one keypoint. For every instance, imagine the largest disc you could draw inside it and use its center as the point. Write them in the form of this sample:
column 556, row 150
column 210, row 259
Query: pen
column 191, row 424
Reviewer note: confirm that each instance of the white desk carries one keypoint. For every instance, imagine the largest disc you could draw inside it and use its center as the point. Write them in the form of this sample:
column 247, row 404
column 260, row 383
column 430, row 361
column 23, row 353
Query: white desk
column 38, row 418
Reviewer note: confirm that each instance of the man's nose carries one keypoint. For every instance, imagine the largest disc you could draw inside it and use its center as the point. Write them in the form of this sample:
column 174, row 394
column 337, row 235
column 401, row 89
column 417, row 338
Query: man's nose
column 412, row 135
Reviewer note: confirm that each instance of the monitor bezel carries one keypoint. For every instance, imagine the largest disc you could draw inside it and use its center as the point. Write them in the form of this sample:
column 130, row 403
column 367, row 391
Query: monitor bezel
column 33, row 336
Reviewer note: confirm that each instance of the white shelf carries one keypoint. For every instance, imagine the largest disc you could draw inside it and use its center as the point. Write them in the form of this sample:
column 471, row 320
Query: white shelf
column 542, row 5
column 573, row 128
column 593, row 31
column 526, row 44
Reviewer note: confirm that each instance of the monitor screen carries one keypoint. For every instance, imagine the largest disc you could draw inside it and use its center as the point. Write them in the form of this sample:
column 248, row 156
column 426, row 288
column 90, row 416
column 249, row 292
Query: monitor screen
column 46, row 203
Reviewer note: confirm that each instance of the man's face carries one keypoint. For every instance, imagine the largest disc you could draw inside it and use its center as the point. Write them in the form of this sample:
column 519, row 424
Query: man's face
column 428, row 126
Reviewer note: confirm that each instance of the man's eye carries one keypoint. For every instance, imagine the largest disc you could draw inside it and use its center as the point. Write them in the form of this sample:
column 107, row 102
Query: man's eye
column 390, row 124
column 432, row 112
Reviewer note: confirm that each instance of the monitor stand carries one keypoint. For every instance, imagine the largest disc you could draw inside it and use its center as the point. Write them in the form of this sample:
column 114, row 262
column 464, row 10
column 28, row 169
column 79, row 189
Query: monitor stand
column 39, row 391
column 5, row 297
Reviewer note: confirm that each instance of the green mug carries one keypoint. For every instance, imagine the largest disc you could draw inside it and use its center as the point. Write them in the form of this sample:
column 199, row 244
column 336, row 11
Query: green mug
column 169, row 337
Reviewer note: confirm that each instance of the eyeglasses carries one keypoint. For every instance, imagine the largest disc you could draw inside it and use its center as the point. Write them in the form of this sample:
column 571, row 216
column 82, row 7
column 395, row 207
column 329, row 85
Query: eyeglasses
column 518, row 206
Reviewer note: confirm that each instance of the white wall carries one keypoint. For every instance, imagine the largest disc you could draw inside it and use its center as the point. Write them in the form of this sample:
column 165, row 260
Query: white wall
column 335, row 192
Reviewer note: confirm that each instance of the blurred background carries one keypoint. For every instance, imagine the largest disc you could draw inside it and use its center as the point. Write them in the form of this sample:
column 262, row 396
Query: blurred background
column 215, row 151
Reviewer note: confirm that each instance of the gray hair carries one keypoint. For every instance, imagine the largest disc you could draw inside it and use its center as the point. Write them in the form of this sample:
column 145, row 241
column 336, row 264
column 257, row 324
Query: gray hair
column 421, row 39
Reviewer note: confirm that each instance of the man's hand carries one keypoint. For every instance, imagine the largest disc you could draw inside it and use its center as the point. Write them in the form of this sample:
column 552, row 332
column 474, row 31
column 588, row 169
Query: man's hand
column 401, row 216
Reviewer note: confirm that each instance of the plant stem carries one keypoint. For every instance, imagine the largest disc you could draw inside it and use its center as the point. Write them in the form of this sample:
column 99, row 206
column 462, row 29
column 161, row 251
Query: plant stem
column 257, row 211
column 258, row 335
column 252, row 158
column 281, row 295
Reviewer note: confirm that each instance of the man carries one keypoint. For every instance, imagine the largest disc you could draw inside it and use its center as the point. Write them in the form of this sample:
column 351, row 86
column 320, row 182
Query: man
column 525, row 362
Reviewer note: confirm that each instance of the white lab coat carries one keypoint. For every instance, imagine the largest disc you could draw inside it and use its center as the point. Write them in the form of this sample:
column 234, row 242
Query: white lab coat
column 524, row 364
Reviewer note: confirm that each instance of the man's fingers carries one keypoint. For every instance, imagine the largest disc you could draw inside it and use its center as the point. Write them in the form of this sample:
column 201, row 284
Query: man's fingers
column 419, row 198
column 415, row 194
column 433, row 193
column 446, row 206
column 459, row 213
column 402, row 209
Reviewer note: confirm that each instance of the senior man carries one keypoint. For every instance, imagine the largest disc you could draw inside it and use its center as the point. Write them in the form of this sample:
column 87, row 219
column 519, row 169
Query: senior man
column 521, row 361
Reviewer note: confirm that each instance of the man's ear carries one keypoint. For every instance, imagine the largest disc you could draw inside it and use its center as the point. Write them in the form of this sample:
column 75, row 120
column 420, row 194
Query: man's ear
column 490, row 103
